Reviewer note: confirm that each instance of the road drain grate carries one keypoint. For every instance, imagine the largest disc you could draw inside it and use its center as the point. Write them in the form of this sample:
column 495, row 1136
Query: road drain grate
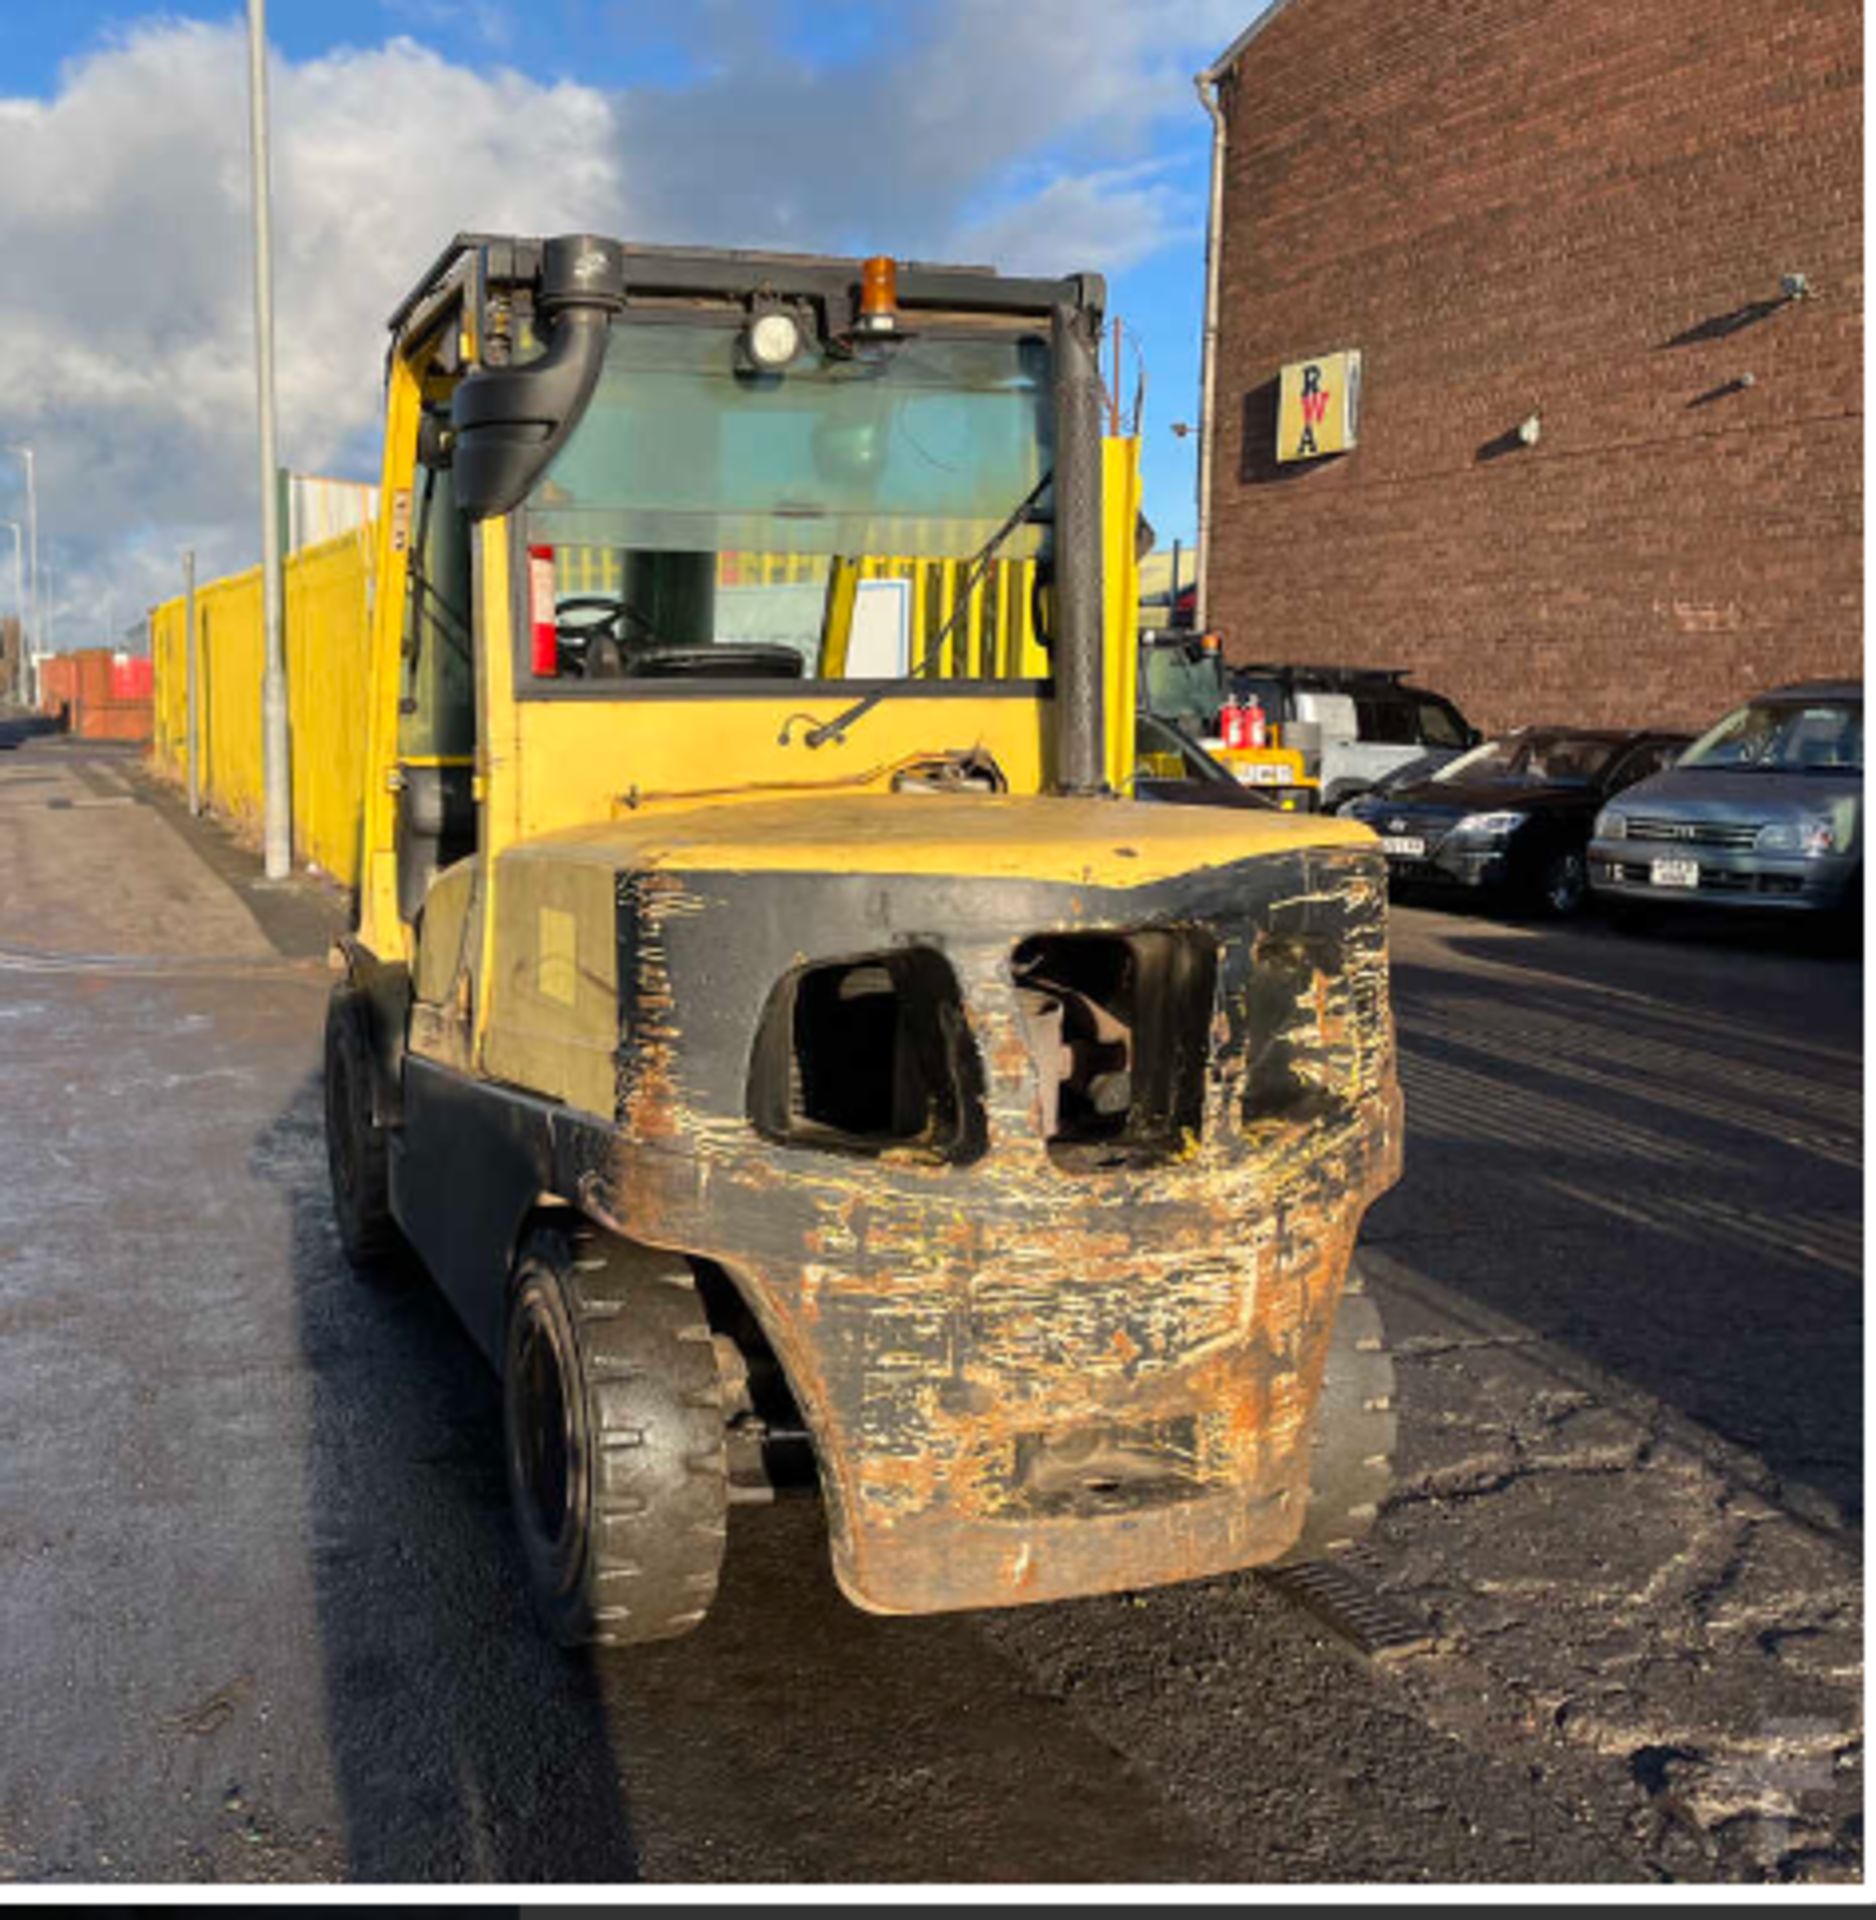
column 1351, row 1609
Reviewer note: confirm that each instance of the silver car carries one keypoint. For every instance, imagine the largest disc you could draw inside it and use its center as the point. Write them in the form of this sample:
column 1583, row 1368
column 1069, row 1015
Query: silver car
column 1764, row 810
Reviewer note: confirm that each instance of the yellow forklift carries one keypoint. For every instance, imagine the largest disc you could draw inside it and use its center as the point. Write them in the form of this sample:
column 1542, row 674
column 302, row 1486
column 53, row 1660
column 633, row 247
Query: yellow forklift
column 766, row 1018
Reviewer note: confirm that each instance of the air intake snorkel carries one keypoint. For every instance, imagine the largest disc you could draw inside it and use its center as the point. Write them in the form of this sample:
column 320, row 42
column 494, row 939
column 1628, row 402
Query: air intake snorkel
column 509, row 422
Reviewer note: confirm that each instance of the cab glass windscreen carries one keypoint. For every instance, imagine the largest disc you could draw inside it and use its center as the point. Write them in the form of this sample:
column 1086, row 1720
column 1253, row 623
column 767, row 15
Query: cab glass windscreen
column 826, row 511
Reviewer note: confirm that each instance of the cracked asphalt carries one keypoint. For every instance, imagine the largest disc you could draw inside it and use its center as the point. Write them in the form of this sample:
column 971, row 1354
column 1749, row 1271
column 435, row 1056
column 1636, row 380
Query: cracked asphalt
column 260, row 1615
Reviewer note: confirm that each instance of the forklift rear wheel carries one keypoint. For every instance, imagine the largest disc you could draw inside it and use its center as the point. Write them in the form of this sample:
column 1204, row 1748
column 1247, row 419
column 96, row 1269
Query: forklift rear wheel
column 356, row 1153
column 613, row 1412
column 1352, row 1437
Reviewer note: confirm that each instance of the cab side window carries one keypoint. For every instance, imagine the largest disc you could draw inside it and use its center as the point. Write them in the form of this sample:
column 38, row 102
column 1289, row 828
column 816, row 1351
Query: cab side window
column 1439, row 725
column 436, row 710
column 1386, row 720
column 436, row 719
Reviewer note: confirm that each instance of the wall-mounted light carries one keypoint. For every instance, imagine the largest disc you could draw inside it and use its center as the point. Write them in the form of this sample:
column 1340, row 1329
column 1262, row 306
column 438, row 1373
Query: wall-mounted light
column 1794, row 286
column 1529, row 428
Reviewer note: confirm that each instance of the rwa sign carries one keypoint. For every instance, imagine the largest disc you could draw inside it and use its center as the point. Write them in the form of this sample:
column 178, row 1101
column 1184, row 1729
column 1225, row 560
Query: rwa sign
column 1316, row 405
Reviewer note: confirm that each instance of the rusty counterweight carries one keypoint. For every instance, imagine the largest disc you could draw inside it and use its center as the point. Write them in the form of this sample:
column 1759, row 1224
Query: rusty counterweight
column 1030, row 1372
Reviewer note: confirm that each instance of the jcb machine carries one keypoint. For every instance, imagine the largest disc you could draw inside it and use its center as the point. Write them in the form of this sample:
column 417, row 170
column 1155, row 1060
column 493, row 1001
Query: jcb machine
column 766, row 1020
column 1183, row 682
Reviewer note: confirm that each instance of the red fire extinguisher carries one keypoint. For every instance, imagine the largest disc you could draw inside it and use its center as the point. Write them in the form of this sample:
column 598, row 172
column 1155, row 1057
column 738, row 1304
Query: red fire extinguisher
column 1256, row 728
column 1231, row 722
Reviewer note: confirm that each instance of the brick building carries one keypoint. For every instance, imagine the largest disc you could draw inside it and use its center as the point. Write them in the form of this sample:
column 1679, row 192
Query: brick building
column 1573, row 213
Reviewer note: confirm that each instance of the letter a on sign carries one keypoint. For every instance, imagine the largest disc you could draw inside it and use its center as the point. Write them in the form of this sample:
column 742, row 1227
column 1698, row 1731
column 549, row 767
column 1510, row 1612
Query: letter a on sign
column 1316, row 405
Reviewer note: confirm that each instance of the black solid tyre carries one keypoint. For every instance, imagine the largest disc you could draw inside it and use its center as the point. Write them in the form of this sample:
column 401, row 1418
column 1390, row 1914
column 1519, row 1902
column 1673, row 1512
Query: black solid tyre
column 613, row 1417
column 357, row 1156
column 1353, row 1431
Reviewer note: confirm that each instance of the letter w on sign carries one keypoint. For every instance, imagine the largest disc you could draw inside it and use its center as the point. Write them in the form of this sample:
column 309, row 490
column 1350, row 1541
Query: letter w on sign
column 1315, row 405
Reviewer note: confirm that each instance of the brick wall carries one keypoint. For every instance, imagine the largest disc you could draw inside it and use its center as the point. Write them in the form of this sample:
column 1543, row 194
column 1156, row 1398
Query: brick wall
column 1579, row 209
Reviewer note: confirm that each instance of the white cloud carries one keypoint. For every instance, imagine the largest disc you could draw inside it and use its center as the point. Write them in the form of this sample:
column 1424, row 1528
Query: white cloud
column 126, row 338
column 1017, row 131
column 1114, row 218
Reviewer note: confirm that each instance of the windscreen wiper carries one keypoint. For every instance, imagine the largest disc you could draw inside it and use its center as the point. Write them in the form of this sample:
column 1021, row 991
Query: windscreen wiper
column 979, row 565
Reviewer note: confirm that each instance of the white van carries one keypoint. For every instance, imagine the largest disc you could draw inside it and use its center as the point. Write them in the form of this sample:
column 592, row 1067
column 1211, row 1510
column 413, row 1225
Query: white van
column 1360, row 724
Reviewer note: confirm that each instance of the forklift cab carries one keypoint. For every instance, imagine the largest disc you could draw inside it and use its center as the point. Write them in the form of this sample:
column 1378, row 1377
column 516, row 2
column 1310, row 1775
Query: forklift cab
column 667, row 523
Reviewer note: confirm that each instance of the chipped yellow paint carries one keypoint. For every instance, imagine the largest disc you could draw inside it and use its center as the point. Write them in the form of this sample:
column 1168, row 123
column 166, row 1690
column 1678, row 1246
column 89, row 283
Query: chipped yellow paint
column 1105, row 843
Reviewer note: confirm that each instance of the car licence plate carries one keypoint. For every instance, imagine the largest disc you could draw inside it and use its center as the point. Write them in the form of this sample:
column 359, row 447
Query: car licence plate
column 1674, row 873
column 1400, row 849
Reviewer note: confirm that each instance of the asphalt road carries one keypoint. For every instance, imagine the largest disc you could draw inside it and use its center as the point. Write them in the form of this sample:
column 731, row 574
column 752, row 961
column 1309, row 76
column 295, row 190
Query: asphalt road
column 260, row 1615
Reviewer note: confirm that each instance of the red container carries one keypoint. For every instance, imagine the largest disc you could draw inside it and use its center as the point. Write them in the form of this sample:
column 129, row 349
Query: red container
column 118, row 720
column 99, row 698
column 58, row 684
column 133, row 679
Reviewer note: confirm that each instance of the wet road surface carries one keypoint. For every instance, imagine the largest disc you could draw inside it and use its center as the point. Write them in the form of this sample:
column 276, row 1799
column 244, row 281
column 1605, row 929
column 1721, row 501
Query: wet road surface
column 261, row 1614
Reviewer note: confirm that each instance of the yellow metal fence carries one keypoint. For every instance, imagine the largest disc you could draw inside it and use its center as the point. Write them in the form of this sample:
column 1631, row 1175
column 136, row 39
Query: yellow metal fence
column 328, row 603
column 996, row 639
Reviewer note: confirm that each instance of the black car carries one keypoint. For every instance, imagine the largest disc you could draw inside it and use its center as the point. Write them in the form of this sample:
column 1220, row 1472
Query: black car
column 1513, row 816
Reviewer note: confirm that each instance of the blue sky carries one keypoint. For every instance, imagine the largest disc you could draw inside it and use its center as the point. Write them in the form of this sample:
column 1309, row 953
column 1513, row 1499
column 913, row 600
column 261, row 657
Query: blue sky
column 1037, row 134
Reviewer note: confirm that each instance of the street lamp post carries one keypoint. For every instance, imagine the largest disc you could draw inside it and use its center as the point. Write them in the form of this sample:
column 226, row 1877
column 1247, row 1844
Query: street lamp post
column 277, row 822
column 37, row 643
column 19, row 601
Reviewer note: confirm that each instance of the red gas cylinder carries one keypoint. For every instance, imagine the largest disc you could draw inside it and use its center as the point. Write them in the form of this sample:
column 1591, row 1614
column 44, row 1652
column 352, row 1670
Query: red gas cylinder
column 1231, row 723
column 1256, row 727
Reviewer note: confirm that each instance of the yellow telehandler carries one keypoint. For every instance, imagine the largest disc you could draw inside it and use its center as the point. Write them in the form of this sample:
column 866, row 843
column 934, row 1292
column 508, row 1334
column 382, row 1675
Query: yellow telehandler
column 769, row 1021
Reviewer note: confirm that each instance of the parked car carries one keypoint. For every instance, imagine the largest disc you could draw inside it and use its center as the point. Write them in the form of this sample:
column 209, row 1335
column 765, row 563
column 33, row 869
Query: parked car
column 1370, row 722
column 1421, row 767
column 1513, row 816
column 1764, row 810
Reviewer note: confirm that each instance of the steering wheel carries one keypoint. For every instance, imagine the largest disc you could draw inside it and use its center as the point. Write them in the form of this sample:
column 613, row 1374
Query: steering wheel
column 608, row 606
column 592, row 642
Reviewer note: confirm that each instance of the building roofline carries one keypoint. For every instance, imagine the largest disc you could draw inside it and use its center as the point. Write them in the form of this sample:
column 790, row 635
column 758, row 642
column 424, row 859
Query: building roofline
column 1231, row 55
